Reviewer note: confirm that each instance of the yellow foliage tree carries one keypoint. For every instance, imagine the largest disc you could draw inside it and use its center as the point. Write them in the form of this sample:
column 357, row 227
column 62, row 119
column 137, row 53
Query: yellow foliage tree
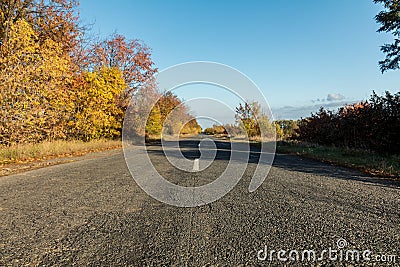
column 191, row 127
column 52, row 87
column 34, row 79
column 154, row 122
column 95, row 100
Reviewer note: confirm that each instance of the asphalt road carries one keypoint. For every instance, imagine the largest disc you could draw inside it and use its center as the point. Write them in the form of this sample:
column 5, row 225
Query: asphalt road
column 92, row 212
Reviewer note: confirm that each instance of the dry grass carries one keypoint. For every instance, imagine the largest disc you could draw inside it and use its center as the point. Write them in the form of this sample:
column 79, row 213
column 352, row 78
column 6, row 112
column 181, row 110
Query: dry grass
column 46, row 150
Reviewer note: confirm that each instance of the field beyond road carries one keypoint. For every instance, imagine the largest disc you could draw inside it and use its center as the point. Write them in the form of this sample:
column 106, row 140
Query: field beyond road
column 91, row 211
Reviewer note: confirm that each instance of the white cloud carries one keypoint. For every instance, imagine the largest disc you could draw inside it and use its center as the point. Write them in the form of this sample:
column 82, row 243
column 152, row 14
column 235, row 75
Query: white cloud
column 334, row 97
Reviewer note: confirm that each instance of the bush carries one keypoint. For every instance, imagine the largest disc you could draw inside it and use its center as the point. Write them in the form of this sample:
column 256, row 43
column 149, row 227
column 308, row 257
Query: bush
column 372, row 125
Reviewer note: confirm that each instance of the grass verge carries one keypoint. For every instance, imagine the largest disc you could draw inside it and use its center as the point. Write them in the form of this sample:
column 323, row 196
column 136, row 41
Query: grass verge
column 366, row 161
column 46, row 150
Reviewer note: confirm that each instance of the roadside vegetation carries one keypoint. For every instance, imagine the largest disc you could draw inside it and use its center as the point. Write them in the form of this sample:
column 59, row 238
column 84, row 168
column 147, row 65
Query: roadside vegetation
column 60, row 88
column 251, row 124
column 22, row 153
column 372, row 125
column 366, row 161
column 169, row 116
column 363, row 135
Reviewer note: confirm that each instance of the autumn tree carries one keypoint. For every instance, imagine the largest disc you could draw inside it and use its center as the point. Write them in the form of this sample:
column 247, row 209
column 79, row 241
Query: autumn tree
column 141, row 107
column 10, row 12
column 247, row 115
column 288, row 128
column 168, row 116
column 216, row 130
column 174, row 113
column 33, row 85
column 95, row 111
column 52, row 19
column 132, row 57
column 255, row 122
column 154, row 122
column 191, row 127
column 234, row 129
column 56, row 84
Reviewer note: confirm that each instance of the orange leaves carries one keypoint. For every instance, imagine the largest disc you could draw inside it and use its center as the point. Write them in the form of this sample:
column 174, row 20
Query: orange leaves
column 132, row 57
column 171, row 117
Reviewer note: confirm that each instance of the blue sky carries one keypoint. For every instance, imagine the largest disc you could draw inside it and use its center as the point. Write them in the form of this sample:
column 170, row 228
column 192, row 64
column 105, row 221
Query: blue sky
column 297, row 52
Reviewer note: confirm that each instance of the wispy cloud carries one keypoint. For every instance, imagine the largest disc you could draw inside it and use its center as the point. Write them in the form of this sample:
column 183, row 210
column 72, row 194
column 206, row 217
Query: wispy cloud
column 318, row 100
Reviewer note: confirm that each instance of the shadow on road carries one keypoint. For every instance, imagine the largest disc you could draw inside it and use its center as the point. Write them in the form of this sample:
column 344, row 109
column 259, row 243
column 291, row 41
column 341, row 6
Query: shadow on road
column 190, row 150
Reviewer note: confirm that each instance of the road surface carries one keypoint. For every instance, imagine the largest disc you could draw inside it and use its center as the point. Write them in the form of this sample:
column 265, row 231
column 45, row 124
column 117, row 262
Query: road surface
column 92, row 212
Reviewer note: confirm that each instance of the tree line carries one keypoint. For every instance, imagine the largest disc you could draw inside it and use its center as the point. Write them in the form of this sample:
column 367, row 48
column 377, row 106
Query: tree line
column 253, row 122
column 56, row 83
column 370, row 125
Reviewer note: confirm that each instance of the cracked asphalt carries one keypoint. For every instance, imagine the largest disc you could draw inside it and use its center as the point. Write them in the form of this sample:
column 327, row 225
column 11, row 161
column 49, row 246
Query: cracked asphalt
column 91, row 212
